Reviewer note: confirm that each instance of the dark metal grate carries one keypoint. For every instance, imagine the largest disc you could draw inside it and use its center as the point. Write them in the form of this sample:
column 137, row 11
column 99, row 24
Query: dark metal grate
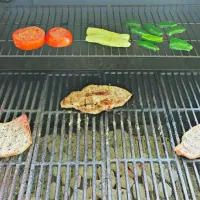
column 78, row 18
column 5, row 1
column 77, row 156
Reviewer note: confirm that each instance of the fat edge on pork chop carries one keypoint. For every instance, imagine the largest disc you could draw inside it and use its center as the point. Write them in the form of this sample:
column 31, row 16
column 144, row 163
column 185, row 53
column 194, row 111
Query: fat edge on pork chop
column 94, row 99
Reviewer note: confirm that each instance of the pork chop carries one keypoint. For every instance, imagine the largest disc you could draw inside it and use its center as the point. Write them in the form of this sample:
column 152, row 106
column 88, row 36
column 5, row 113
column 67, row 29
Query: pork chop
column 190, row 145
column 15, row 137
column 94, row 99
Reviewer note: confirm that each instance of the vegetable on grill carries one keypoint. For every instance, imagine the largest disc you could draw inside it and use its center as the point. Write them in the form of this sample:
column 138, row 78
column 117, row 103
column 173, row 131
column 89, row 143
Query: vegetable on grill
column 169, row 24
column 59, row 37
column 132, row 23
column 112, row 41
column 153, row 29
column 107, row 38
column 178, row 44
column 152, row 38
column 138, row 31
column 148, row 45
column 176, row 30
column 29, row 38
column 98, row 31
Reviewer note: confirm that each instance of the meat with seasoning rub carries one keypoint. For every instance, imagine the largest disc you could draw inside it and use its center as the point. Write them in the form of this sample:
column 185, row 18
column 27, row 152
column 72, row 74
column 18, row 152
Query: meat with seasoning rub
column 94, row 99
column 190, row 145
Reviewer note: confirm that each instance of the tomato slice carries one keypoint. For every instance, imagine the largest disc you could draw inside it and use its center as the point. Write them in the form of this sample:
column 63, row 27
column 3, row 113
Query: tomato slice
column 29, row 38
column 59, row 37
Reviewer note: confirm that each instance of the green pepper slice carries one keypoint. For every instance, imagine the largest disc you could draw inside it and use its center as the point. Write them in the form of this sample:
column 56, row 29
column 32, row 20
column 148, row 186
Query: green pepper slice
column 169, row 24
column 176, row 30
column 148, row 45
column 178, row 44
column 138, row 31
column 152, row 38
column 153, row 30
column 132, row 23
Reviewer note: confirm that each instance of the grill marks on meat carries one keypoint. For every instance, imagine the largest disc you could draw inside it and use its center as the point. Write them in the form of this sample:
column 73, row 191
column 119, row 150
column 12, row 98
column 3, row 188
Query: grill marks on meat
column 190, row 145
column 15, row 137
column 97, row 93
column 96, row 98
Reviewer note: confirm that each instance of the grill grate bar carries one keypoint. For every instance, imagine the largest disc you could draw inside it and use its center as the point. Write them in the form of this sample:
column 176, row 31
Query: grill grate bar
column 171, row 142
column 197, row 174
column 190, row 103
column 125, row 156
column 93, row 157
column 52, row 158
column 191, row 88
column 176, row 132
column 104, row 191
column 4, row 184
column 35, row 151
column 77, row 156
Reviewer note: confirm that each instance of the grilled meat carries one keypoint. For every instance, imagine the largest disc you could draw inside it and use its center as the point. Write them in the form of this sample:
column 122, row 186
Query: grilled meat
column 15, row 137
column 94, row 99
column 190, row 145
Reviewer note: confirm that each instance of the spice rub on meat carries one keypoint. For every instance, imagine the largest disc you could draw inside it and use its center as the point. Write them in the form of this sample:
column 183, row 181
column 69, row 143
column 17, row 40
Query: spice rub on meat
column 94, row 99
column 15, row 137
column 190, row 145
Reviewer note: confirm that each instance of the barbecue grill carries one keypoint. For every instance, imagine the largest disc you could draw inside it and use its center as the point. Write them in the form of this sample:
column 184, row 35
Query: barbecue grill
column 82, row 156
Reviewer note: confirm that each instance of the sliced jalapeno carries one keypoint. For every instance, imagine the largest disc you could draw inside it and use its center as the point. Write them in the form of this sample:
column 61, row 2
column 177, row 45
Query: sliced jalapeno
column 148, row 45
column 138, row 31
column 169, row 24
column 132, row 23
column 176, row 30
column 152, row 38
column 178, row 44
column 153, row 30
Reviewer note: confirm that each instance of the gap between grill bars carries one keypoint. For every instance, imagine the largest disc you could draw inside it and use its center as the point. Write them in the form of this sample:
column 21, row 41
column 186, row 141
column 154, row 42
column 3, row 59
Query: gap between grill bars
column 78, row 18
column 125, row 153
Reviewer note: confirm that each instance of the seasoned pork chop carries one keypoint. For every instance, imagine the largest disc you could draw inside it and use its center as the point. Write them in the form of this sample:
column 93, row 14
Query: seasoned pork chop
column 190, row 145
column 96, row 98
column 15, row 137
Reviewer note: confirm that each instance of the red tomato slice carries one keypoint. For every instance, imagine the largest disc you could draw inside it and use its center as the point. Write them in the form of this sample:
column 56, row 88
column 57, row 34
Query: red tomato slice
column 59, row 37
column 29, row 38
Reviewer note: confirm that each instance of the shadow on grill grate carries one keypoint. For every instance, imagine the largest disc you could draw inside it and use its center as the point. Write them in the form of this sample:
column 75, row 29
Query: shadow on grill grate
column 122, row 154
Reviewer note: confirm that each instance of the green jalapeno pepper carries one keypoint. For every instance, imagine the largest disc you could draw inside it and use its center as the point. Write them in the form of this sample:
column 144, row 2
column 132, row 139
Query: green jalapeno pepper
column 153, row 30
column 148, row 45
column 152, row 38
column 178, row 44
column 138, row 31
column 132, row 23
column 176, row 30
column 169, row 24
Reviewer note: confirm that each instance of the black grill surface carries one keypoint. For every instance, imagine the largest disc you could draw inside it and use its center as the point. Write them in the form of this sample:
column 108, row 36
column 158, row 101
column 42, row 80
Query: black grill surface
column 82, row 156
column 83, row 55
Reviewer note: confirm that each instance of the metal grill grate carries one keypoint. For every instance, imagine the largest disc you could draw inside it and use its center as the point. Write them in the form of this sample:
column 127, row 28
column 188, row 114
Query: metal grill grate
column 5, row 1
column 77, row 156
column 78, row 18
